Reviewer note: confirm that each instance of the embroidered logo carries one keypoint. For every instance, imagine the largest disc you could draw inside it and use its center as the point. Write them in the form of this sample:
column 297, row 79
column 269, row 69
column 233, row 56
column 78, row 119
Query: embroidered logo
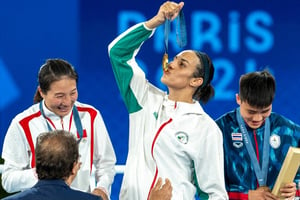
column 275, row 141
column 182, row 137
column 237, row 139
column 237, row 144
column 155, row 115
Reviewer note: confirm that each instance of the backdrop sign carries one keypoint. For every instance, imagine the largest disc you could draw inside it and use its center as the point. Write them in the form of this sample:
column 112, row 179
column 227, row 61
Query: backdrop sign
column 238, row 36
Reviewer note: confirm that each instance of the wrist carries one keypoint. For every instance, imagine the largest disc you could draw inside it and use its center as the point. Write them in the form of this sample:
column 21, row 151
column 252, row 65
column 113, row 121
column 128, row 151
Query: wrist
column 154, row 22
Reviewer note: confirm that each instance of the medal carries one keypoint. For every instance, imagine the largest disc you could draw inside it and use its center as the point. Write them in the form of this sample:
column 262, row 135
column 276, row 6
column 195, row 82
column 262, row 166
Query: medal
column 165, row 61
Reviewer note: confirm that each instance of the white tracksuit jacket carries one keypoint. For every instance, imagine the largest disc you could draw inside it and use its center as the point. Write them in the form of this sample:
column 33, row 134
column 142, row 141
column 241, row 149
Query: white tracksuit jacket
column 95, row 148
column 167, row 139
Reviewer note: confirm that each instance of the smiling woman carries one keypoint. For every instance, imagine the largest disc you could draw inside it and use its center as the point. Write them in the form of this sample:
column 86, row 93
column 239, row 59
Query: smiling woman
column 56, row 108
column 57, row 87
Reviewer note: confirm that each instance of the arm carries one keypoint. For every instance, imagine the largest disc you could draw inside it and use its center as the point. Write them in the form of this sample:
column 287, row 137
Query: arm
column 209, row 164
column 17, row 174
column 15, row 179
column 104, row 157
column 123, row 50
column 130, row 78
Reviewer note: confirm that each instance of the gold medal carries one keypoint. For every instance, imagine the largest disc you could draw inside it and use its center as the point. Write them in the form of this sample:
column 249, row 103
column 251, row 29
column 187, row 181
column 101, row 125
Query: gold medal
column 165, row 62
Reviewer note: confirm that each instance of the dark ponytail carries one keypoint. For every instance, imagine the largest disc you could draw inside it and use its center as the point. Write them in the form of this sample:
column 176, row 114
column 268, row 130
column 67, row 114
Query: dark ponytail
column 205, row 69
column 37, row 96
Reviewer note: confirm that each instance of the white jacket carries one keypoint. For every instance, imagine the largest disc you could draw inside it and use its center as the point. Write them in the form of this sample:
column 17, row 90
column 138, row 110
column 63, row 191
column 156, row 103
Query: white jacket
column 167, row 139
column 95, row 148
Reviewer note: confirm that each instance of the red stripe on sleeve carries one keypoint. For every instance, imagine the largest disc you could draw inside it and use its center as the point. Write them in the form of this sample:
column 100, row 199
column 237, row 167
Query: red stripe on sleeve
column 25, row 125
column 93, row 114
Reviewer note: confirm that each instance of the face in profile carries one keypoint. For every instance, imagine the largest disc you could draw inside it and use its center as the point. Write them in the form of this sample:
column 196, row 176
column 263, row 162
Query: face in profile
column 179, row 74
column 61, row 96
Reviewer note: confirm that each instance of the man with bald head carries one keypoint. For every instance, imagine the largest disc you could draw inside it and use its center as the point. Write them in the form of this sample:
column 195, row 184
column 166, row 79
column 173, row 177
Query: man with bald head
column 57, row 163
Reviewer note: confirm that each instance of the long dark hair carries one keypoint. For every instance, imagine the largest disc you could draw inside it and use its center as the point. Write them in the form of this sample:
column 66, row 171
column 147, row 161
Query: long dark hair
column 204, row 69
column 52, row 71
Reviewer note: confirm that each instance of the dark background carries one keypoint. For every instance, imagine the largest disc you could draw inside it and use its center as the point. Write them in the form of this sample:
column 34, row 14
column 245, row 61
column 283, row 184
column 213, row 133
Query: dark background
column 239, row 36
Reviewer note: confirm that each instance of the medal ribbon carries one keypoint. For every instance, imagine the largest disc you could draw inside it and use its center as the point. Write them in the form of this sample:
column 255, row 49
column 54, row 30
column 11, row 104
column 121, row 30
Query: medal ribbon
column 181, row 30
column 261, row 173
column 180, row 36
column 166, row 34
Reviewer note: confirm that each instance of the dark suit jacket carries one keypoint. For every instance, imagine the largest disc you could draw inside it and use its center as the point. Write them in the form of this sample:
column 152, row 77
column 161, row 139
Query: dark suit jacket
column 52, row 190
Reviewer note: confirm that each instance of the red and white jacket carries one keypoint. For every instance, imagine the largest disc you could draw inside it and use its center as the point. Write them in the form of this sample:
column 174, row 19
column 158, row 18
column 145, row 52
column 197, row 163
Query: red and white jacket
column 95, row 147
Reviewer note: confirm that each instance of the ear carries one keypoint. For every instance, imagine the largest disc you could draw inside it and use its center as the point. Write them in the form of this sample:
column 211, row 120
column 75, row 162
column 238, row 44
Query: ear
column 196, row 82
column 76, row 167
column 73, row 174
column 41, row 92
column 237, row 98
